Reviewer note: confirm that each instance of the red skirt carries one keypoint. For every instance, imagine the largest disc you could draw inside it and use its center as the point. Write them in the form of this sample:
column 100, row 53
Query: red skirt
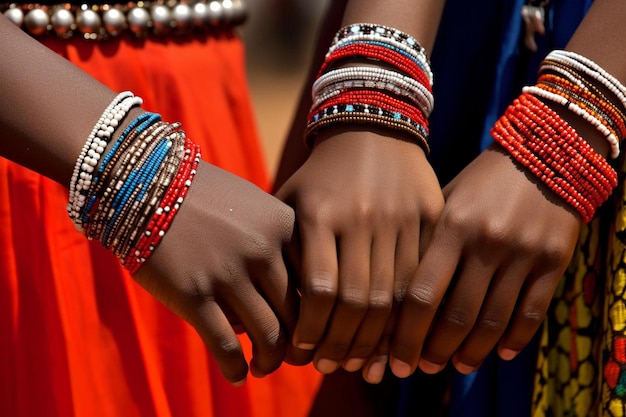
column 78, row 337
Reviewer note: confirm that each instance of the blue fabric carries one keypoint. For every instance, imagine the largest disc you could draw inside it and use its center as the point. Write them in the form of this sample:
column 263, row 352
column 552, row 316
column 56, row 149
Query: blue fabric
column 480, row 66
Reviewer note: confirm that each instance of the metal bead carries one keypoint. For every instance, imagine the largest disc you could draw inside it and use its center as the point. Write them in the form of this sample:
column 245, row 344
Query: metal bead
column 200, row 13
column 215, row 13
column 227, row 11
column 239, row 13
column 88, row 22
column 62, row 21
column 15, row 15
column 114, row 21
column 138, row 20
column 37, row 21
column 161, row 18
column 183, row 16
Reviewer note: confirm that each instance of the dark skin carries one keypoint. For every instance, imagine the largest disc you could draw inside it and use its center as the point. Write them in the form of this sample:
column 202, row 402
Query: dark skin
column 222, row 256
column 502, row 234
column 365, row 200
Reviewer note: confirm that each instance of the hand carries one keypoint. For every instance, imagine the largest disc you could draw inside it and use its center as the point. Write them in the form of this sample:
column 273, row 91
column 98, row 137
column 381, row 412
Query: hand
column 501, row 245
column 222, row 259
column 362, row 202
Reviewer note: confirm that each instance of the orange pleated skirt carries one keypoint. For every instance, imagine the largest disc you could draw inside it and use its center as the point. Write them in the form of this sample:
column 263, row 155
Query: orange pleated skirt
column 78, row 337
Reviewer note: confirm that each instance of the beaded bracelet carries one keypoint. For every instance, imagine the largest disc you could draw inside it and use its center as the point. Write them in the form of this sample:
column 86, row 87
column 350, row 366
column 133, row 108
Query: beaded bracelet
column 364, row 32
column 588, row 67
column 93, row 148
column 579, row 111
column 379, row 78
column 540, row 140
column 147, row 172
column 397, row 96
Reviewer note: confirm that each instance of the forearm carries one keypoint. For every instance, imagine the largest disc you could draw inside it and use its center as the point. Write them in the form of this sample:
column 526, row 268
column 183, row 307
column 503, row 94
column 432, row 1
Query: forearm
column 600, row 38
column 48, row 106
column 417, row 18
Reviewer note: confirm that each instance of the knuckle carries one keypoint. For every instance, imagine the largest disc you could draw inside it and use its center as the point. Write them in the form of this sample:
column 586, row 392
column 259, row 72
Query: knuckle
column 430, row 212
column 458, row 320
column 494, row 232
column 260, row 248
column 229, row 347
column 556, row 252
column 353, row 300
column 491, row 325
column 532, row 316
column 364, row 212
column 315, row 213
column 456, row 220
column 320, row 286
column 420, row 295
column 380, row 302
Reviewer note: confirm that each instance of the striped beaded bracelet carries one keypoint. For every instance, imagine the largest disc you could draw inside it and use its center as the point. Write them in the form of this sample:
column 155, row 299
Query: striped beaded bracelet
column 136, row 188
column 395, row 93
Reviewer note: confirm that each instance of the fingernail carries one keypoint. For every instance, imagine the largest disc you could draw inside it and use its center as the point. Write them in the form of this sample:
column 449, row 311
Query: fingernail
column 376, row 370
column 429, row 368
column 305, row 346
column 326, row 366
column 464, row 369
column 353, row 364
column 400, row 369
column 508, row 354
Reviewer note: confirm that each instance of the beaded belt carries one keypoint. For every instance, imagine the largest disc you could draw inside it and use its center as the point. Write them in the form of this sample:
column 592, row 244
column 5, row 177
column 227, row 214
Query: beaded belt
column 141, row 18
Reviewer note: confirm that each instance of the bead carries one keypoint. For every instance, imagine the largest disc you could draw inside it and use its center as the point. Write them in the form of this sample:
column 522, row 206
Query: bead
column 88, row 23
column 138, row 21
column 15, row 15
column 36, row 21
column 183, row 16
column 114, row 21
column 161, row 17
column 62, row 21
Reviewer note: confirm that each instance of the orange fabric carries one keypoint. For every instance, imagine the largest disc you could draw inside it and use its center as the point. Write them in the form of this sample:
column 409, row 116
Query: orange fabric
column 78, row 336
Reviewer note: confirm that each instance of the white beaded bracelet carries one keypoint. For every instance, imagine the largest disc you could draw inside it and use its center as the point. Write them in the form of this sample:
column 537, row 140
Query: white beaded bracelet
column 91, row 152
column 590, row 68
column 380, row 78
column 579, row 111
column 421, row 58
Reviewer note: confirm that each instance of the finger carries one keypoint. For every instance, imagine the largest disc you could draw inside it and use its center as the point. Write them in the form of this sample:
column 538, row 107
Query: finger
column 215, row 330
column 268, row 337
column 529, row 313
column 352, row 300
column 493, row 318
column 319, row 286
column 297, row 357
column 407, row 258
column 380, row 302
column 279, row 291
column 459, row 312
column 421, row 301
column 374, row 370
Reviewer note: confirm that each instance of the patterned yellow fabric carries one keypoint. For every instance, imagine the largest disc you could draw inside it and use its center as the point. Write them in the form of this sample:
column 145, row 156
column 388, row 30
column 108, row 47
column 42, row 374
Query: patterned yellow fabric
column 581, row 368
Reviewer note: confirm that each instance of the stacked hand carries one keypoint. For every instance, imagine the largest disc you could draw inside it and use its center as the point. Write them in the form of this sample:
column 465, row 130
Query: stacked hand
column 221, row 265
column 364, row 204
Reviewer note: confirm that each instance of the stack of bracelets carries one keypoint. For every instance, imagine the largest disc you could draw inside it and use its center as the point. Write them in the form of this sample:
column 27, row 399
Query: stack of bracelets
column 395, row 92
column 127, row 197
column 539, row 139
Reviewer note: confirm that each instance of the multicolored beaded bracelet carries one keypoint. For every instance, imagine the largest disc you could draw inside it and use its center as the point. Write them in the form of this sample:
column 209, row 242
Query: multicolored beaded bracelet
column 396, row 96
column 146, row 173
